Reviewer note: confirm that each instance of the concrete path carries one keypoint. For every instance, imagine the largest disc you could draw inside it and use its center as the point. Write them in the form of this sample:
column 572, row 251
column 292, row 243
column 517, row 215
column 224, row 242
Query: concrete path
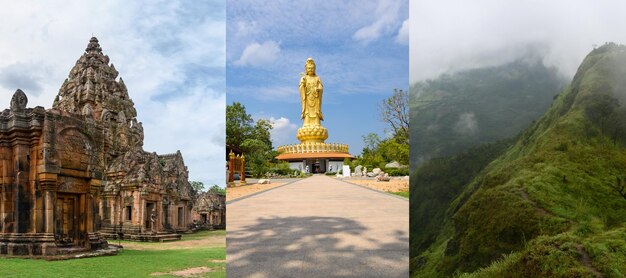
column 318, row 227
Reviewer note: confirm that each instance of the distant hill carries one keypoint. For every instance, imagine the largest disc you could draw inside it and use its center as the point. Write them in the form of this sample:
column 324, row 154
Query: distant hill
column 459, row 111
column 552, row 204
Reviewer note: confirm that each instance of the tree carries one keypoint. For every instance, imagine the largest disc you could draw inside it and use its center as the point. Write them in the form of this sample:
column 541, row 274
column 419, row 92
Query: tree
column 197, row 185
column 217, row 189
column 238, row 124
column 252, row 138
column 391, row 150
column 395, row 112
column 371, row 141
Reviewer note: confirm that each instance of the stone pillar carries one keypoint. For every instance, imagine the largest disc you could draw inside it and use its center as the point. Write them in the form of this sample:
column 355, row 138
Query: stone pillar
column 142, row 215
column 94, row 186
column 48, row 184
column 82, row 217
column 107, row 202
column 171, row 208
column 242, row 174
column 159, row 211
column 136, row 208
column 117, row 211
column 231, row 168
column 6, row 214
column 101, row 205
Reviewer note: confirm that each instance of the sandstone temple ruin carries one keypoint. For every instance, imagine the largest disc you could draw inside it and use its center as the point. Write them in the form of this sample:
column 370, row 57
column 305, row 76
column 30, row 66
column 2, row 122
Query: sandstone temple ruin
column 209, row 211
column 76, row 174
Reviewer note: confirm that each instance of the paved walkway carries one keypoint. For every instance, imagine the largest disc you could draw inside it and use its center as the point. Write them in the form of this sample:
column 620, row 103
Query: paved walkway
column 318, row 227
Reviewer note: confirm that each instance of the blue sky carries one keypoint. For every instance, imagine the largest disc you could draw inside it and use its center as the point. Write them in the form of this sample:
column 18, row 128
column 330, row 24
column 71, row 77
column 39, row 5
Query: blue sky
column 360, row 48
column 171, row 55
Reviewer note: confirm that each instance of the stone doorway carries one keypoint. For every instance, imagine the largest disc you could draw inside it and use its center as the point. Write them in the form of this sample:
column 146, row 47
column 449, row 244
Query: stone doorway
column 315, row 166
column 150, row 209
column 165, row 219
column 67, row 227
column 203, row 218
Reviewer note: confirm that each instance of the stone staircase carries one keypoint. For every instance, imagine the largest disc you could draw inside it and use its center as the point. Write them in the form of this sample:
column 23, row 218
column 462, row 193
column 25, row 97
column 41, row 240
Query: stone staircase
column 158, row 237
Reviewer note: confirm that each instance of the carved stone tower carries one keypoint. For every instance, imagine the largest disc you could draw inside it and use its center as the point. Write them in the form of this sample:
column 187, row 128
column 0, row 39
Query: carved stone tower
column 92, row 90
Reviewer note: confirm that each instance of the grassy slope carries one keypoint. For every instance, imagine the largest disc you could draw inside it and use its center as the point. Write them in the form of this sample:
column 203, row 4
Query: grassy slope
column 436, row 183
column 546, row 204
column 128, row 263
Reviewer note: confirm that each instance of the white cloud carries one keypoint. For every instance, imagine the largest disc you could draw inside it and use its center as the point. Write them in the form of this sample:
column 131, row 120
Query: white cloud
column 467, row 124
column 26, row 76
column 283, row 131
column 256, row 54
column 193, row 122
column 387, row 19
column 457, row 35
column 246, row 28
column 403, row 33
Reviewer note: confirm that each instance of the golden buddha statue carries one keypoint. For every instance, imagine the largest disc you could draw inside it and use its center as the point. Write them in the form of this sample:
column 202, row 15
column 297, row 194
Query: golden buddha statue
column 312, row 134
column 311, row 90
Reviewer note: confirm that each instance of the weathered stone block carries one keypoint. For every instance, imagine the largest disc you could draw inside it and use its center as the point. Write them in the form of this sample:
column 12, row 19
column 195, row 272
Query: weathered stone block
column 18, row 249
column 35, row 249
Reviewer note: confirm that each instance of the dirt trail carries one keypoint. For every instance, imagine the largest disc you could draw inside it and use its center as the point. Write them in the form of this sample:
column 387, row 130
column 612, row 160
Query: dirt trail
column 537, row 207
column 585, row 259
column 189, row 272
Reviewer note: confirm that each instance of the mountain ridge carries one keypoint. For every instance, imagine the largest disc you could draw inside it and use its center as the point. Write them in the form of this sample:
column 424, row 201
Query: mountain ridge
column 547, row 206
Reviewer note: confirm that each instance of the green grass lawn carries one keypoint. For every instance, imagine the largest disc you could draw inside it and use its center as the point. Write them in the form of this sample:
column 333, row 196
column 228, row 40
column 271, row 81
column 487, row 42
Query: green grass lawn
column 128, row 263
column 404, row 194
column 204, row 234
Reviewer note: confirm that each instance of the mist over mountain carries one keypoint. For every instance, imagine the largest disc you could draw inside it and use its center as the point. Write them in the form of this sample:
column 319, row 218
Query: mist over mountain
column 458, row 111
column 549, row 203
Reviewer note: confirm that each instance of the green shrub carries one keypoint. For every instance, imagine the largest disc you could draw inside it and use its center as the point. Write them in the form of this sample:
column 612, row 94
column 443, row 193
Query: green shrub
column 397, row 171
column 330, row 173
column 281, row 169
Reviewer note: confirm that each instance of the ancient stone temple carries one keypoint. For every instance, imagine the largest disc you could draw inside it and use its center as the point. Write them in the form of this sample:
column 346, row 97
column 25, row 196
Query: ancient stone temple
column 51, row 172
column 313, row 154
column 209, row 211
column 76, row 173
column 147, row 197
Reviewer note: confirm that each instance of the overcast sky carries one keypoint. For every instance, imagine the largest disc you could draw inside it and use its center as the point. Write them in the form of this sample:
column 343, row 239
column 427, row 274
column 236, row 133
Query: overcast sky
column 361, row 52
column 454, row 35
column 170, row 54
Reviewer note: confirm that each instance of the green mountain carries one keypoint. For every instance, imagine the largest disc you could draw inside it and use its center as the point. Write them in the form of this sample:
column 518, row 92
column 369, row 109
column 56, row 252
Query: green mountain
column 455, row 112
column 552, row 204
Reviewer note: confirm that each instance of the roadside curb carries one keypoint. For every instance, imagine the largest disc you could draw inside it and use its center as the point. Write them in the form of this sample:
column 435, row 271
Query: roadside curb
column 381, row 192
column 260, row 192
